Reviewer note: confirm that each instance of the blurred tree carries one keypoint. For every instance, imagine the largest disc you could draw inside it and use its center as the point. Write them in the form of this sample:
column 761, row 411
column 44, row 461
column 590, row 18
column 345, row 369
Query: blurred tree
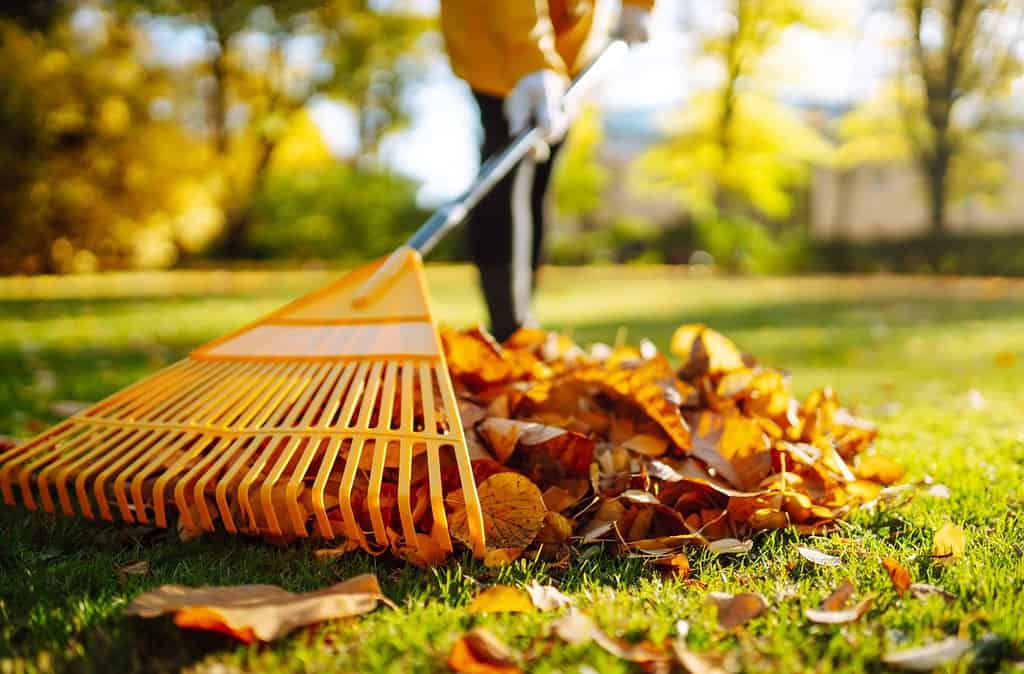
column 735, row 150
column 341, row 211
column 124, row 141
column 265, row 62
column 33, row 14
column 580, row 179
column 87, row 174
column 947, row 101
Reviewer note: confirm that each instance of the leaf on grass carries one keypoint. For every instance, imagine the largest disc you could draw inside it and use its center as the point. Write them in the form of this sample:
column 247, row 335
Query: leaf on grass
column 949, row 543
column 735, row 610
column 499, row 557
column 695, row 663
column 922, row 590
column 839, row 616
column 258, row 612
column 818, row 557
column 346, row 547
column 501, row 599
column 677, row 565
column 513, row 511
column 576, row 628
column 878, row 468
column 480, row 652
column 839, row 597
column 547, row 597
column 898, row 574
column 140, row 568
column 928, row 657
column 730, row 546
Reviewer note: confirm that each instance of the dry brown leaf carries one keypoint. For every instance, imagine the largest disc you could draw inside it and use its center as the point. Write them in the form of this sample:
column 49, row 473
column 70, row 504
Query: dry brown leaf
column 557, row 499
column 140, row 568
column 501, row 435
column 513, row 511
column 735, row 610
column 695, row 663
column 576, row 628
column 928, row 657
column 838, row 598
column 922, row 590
column 648, row 445
column 547, row 597
column 730, row 546
column 677, row 565
column 501, row 599
column 898, row 574
column 258, row 612
column 346, row 547
column 480, row 652
column 818, row 557
column 949, row 543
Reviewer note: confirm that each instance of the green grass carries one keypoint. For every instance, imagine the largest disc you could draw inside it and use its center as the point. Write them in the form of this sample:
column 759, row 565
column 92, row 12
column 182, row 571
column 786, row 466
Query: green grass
column 904, row 352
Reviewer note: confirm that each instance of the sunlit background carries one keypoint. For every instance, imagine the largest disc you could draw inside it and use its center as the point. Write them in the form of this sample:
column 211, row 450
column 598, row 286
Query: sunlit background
column 762, row 136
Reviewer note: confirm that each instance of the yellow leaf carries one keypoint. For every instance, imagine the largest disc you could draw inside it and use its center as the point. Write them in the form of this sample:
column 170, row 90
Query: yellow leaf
column 879, row 469
column 513, row 511
column 949, row 543
column 501, row 599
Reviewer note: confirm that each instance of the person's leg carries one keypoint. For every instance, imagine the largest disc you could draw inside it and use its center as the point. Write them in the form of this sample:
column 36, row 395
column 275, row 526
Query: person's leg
column 501, row 231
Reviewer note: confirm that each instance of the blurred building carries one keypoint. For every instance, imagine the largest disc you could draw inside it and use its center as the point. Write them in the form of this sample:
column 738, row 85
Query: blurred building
column 869, row 202
column 889, row 200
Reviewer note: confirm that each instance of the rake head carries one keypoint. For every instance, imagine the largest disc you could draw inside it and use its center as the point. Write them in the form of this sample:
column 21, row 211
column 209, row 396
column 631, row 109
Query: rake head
column 322, row 419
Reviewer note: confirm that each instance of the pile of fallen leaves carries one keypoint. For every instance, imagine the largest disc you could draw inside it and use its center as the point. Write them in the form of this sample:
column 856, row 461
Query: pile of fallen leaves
column 622, row 446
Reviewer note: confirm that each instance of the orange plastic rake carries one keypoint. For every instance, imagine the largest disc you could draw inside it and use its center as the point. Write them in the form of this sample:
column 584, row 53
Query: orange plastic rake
column 290, row 425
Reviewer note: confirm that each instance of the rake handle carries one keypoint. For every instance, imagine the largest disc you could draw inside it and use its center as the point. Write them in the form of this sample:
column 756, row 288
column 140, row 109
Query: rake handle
column 493, row 170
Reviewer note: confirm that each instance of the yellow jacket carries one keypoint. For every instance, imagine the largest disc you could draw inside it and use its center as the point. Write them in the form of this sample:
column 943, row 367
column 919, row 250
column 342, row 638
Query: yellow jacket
column 493, row 43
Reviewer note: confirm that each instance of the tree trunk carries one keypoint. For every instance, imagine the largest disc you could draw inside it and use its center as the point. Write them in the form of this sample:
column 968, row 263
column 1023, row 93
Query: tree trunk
column 238, row 218
column 936, row 172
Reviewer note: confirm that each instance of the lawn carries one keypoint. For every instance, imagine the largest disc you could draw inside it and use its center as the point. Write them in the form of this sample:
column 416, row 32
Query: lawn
column 938, row 363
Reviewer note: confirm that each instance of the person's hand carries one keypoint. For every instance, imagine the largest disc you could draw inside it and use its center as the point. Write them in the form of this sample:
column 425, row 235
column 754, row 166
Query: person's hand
column 633, row 24
column 538, row 98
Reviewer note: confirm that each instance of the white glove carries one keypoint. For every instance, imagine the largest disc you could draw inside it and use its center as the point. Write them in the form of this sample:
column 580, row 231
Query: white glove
column 633, row 24
column 537, row 97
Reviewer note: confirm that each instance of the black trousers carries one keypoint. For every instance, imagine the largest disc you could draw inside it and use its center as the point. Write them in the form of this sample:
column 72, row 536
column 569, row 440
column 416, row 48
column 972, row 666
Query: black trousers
column 506, row 229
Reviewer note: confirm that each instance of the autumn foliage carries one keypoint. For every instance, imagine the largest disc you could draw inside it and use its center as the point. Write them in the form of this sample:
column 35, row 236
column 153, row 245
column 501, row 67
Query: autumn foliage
column 621, row 445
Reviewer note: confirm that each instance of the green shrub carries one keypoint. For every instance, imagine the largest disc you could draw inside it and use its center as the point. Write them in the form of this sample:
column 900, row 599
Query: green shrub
column 339, row 213
column 740, row 244
column 966, row 254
